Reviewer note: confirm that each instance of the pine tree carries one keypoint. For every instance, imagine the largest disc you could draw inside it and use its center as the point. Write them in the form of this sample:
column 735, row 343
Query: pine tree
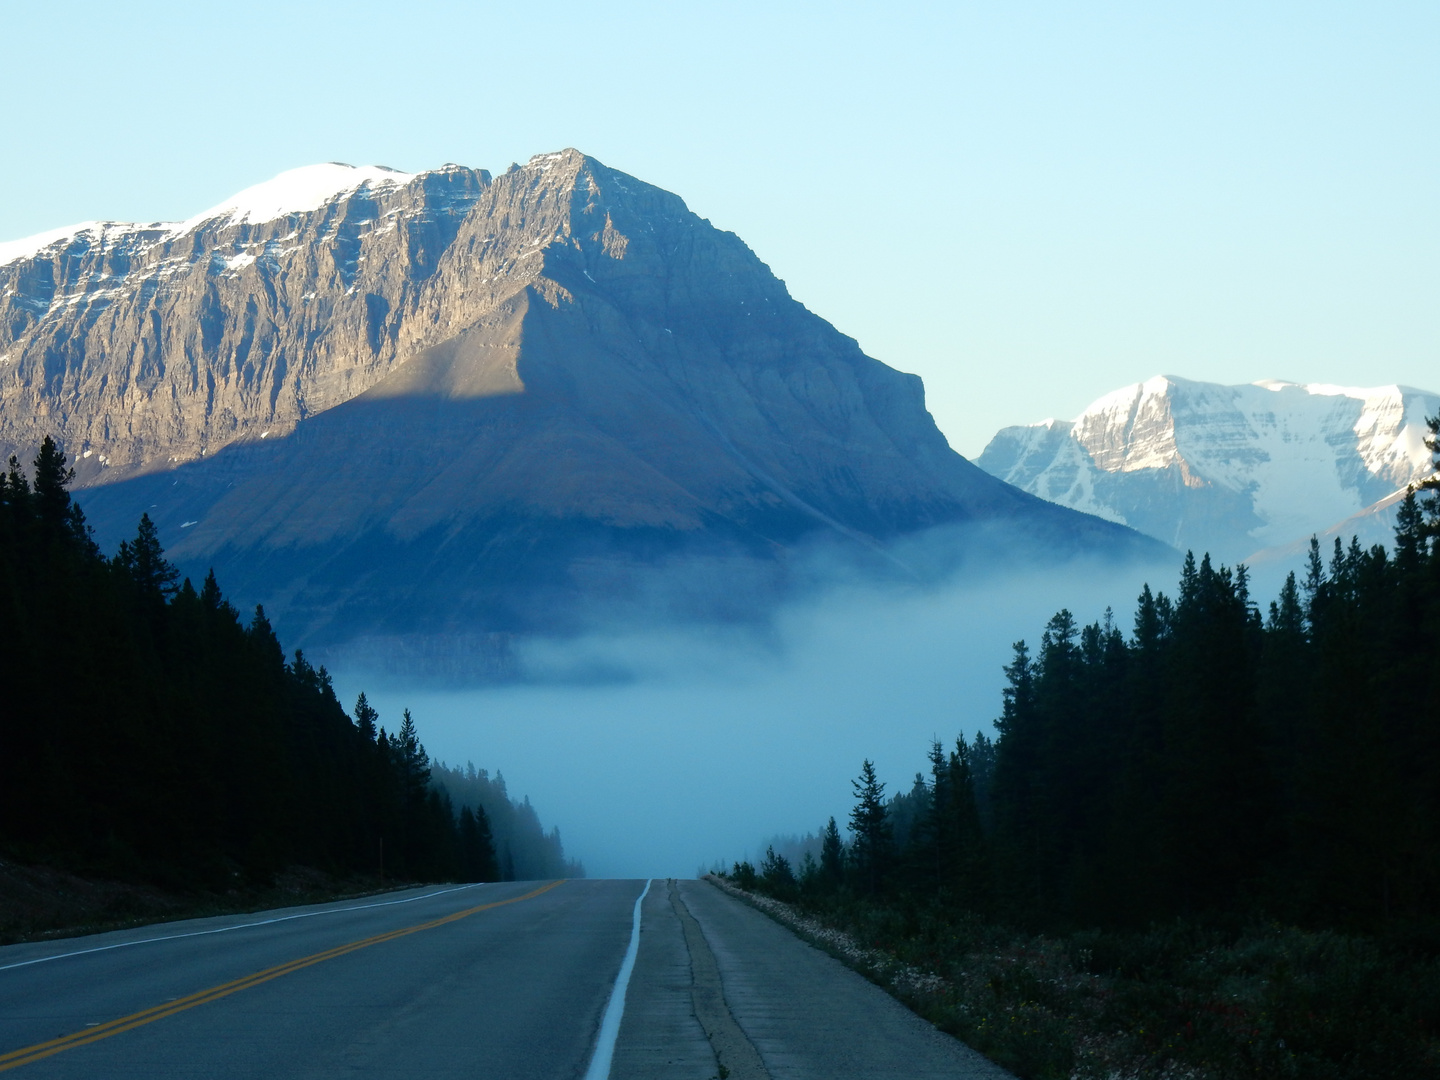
column 1431, row 484
column 52, row 502
column 1410, row 537
column 214, row 600
column 477, row 848
column 937, row 836
column 980, row 755
column 16, row 504
column 143, row 560
column 778, row 875
column 965, row 872
column 484, row 847
column 413, row 761
column 365, row 718
column 1151, row 622
column 263, row 639
column 872, row 848
column 1287, row 614
column 1315, row 583
column 1015, row 795
column 832, row 856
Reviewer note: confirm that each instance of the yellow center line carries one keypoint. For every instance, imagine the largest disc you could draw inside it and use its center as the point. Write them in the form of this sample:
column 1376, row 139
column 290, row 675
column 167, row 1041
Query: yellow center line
column 16, row 1058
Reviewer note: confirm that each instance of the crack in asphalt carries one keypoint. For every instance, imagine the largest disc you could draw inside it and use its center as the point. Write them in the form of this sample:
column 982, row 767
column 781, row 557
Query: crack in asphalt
column 734, row 1052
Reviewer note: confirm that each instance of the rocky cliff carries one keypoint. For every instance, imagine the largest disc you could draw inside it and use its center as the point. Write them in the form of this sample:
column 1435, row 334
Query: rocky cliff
column 447, row 401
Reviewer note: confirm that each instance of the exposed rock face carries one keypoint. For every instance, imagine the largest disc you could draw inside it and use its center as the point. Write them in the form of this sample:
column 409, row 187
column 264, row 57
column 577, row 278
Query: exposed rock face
column 1229, row 469
column 446, row 402
column 147, row 345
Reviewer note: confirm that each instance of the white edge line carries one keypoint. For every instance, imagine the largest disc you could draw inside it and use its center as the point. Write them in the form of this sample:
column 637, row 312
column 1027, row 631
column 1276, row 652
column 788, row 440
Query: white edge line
column 237, row 926
column 615, row 1008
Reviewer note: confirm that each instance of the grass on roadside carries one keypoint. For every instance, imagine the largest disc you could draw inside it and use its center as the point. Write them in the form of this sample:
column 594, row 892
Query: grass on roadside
column 1177, row 1001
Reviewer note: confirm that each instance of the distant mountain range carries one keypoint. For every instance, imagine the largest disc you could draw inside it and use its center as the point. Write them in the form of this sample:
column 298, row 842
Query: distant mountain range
column 388, row 404
column 1244, row 472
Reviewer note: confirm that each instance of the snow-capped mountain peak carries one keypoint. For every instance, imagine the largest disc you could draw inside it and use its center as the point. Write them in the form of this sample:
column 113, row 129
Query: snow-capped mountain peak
column 1230, row 469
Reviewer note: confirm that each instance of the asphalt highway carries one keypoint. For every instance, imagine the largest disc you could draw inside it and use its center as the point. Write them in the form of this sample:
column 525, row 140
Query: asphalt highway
column 505, row 980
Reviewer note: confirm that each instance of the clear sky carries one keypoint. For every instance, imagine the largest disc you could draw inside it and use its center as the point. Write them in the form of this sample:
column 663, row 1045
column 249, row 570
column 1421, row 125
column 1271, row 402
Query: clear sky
column 1027, row 204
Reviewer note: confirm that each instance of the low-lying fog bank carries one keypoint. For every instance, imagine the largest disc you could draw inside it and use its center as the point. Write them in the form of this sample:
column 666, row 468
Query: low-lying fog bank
column 658, row 752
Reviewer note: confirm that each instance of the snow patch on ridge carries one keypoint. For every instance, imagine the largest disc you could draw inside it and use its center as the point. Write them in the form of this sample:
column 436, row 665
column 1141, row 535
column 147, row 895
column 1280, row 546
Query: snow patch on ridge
column 297, row 191
column 102, row 232
column 545, row 162
column 1361, row 393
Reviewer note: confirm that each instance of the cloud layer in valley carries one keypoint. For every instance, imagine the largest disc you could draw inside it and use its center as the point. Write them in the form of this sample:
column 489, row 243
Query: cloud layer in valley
column 656, row 751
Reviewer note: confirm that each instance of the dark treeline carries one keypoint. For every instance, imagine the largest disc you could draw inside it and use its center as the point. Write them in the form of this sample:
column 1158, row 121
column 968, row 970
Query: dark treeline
column 146, row 731
column 1217, row 759
column 1221, row 760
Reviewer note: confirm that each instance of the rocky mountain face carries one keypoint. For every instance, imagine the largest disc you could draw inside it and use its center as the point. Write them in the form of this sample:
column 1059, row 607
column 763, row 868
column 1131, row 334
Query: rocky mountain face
column 1227, row 469
column 449, row 403
column 139, row 346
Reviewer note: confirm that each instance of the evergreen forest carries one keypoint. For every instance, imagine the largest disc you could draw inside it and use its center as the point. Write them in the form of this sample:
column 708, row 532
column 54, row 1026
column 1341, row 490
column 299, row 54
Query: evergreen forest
column 149, row 733
column 524, row 851
column 1215, row 832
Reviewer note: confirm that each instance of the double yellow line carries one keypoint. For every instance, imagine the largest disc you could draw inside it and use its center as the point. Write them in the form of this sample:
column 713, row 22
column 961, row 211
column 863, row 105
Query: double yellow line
column 15, row 1058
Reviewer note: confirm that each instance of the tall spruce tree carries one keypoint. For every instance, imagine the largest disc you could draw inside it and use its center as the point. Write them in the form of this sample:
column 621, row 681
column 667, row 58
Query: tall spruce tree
column 832, row 857
column 143, row 561
column 57, row 516
column 414, row 762
column 871, row 850
column 366, row 718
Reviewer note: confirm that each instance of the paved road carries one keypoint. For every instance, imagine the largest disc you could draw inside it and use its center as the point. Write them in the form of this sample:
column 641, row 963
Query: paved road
column 506, row 981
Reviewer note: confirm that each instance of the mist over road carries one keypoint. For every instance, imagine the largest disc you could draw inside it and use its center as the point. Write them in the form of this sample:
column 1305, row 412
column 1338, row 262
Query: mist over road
column 503, row 980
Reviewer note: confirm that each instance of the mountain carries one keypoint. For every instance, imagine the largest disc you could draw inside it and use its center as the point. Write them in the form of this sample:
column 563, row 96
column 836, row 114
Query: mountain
column 392, row 404
column 1226, row 469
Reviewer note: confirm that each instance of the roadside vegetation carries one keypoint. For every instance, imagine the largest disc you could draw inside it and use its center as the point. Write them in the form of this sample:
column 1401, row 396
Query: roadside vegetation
column 1208, row 848
column 38, row 901
column 150, row 738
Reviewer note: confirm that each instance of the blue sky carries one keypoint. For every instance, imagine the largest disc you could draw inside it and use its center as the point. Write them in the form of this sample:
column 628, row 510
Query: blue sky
column 1027, row 204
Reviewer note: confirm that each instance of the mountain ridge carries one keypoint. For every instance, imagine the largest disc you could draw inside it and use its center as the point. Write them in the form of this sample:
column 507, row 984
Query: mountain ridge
column 446, row 398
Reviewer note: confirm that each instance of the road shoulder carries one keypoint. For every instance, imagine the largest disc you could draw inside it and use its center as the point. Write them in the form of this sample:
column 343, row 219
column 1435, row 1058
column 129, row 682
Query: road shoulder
column 660, row 1036
column 809, row 1016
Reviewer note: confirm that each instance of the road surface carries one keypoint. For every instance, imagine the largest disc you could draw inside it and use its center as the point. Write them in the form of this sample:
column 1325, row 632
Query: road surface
column 506, row 981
